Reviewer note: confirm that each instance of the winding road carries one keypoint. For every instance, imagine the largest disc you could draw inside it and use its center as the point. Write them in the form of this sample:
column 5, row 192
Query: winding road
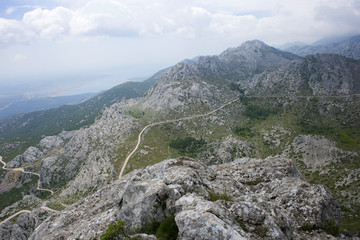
column 37, row 188
column 167, row 121
column 209, row 113
column 136, row 148
column 23, row 171
column 14, row 215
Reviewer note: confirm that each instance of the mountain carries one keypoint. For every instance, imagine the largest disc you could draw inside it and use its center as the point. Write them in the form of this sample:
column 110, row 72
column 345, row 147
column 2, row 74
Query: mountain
column 349, row 48
column 229, row 146
column 32, row 105
column 21, row 131
column 291, row 44
column 331, row 39
column 316, row 75
column 212, row 79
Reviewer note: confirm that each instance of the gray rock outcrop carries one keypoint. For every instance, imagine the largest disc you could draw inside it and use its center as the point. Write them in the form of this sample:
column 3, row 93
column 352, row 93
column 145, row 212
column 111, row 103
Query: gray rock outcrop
column 320, row 74
column 254, row 198
column 316, row 151
column 24, row 225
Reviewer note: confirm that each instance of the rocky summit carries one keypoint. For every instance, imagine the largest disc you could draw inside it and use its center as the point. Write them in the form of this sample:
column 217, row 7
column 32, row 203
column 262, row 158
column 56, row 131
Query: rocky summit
column 244, row 199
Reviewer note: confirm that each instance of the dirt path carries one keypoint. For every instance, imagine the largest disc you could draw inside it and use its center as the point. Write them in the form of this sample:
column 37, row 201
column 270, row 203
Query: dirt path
column 37, row 188
column 23, row 171
column 49, row 209
column 167, row 121
column 206, row 114
column 14, row 215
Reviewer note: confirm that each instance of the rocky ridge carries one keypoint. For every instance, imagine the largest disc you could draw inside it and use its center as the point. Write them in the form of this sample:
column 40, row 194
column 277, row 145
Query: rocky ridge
column 205, row 80
column 265, row 194
column 321, row 74
column 86, row 160
column 349, row 48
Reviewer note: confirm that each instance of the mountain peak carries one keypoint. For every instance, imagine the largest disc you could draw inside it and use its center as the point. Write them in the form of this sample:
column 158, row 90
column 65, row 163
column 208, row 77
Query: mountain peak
column 246, row 47
column 255, row 43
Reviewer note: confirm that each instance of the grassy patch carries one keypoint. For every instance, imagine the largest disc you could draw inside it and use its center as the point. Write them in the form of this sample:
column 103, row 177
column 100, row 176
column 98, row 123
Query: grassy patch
column 331, row 227
column 219, row 196
column 16, row 194
column 187, row 144
column 242, row 225
column 351, row 220
column 261, row 231
column 256, row 112
column 56, row 206
column 308, row 227
column 153, row 148
column 244, row 132
column 254, row 182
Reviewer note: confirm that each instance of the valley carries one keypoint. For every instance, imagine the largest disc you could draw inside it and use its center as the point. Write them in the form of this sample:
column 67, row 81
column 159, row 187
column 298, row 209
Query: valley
column 256, row 141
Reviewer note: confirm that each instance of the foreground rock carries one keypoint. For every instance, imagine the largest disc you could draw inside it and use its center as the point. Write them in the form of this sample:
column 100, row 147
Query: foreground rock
column 244, row 199
column 24, row 225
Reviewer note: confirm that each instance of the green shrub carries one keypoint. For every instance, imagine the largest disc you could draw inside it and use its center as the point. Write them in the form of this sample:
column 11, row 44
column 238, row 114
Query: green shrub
column 255, row 112
column 150, row 227
column 308, row 227
column 255, row 182
column 331, row 227
column 187, row 144
column 242, row 225
column 244, row 100
column 168, row 230
column 164, row 230
column 244, row 132
column 261, row 231
column 115, row 231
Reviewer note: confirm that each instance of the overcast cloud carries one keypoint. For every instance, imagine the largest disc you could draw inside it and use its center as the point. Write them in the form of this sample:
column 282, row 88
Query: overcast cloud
column 63, row 36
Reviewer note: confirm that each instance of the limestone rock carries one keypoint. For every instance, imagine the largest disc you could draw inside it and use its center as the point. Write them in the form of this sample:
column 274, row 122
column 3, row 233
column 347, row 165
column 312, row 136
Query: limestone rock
column 32, row 154
column 28, row 201
column 50, row 142
column 258, row 197
column 24, row 226
column 318, row 151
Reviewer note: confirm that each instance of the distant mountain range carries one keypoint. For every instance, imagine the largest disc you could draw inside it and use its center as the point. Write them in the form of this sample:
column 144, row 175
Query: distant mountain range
column 349, row 48
column 14, row 106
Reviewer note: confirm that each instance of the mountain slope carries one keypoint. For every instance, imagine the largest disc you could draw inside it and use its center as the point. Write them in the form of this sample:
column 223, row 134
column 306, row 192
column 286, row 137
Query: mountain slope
column 317, row 75
column 293, row 108
column 21, row 131
column 31, row 105
column 349, row 48
column 210, row 80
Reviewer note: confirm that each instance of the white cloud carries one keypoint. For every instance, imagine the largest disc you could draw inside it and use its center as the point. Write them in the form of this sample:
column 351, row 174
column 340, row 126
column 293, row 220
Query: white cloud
column 279, row 21
column 10, row 10
column 48, row 24
column 104, row 17
column 12, row 31
column 19, row 57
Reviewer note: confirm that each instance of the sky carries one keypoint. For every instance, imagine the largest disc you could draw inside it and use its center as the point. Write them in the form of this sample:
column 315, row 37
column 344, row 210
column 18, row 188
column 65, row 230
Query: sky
column 62, row 47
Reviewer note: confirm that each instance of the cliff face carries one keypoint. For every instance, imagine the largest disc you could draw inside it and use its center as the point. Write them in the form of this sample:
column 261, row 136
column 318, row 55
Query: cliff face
column 256, row 198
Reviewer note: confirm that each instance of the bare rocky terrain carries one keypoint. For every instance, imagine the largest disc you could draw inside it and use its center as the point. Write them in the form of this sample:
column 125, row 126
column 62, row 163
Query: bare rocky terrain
column 281, row 162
